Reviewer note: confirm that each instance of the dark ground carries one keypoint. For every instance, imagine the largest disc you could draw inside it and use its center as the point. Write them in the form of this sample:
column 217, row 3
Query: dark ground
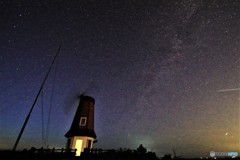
column 47, row 154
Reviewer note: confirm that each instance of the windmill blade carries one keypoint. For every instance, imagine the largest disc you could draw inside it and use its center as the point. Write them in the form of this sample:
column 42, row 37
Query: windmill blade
column 71, row 102
column 92, row 87
column 73, row 97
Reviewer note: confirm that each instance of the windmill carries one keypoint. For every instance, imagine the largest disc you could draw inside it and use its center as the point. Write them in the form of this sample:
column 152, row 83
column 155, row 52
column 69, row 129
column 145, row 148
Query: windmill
column 81, row 134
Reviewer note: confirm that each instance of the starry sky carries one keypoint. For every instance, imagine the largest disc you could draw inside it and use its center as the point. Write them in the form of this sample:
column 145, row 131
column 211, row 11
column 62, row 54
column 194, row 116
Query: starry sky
column 155, row 69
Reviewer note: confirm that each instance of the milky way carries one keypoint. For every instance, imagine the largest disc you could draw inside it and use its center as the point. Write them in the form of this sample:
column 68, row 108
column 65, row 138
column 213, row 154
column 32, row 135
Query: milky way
column 155, row 69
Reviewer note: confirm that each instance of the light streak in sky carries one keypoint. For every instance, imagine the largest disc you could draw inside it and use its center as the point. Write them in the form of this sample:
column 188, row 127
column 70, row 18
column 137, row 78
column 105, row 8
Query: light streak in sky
column 229, row 90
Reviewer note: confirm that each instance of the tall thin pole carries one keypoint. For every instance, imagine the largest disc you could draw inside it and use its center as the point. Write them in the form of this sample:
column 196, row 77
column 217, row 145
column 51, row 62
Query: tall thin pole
column 28, row 116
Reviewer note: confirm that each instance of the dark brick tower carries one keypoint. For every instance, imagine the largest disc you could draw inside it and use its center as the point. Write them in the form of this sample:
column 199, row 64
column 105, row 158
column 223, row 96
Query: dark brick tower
column 81, row 134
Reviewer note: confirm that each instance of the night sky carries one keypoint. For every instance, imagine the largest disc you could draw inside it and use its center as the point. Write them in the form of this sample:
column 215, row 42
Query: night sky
column 155, row 69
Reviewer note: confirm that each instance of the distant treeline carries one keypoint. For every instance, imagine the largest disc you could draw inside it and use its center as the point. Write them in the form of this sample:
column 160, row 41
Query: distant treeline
column 64, row 154
column 94, row 154
column 122, row 154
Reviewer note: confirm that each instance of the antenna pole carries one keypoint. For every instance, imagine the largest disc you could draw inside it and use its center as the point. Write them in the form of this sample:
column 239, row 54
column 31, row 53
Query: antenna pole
column 40, row 90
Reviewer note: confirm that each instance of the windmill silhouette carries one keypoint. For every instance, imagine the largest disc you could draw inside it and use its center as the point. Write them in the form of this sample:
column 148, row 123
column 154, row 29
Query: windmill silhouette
column 81, row 134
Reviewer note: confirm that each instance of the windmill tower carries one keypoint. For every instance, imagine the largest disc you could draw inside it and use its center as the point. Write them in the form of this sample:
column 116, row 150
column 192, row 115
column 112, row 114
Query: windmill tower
column 81, row 134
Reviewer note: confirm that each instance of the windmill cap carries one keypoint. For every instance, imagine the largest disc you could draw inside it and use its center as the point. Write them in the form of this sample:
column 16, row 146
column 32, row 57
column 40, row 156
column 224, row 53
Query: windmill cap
column 87, row 98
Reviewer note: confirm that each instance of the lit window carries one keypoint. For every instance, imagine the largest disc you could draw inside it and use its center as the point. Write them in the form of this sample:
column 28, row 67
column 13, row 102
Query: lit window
column 83, row 121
